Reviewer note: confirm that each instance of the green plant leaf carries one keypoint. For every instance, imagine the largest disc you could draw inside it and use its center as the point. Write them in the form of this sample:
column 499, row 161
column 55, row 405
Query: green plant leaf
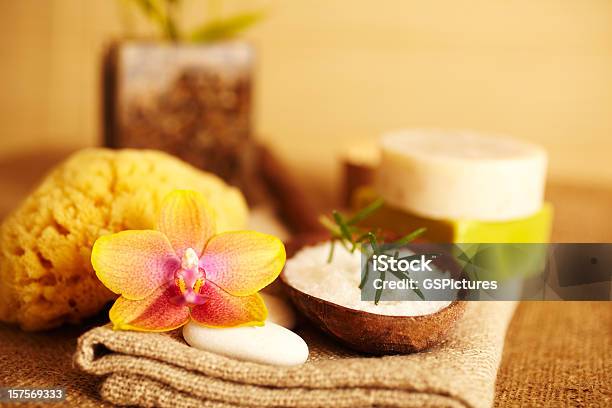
column 379, row 291
column 151, row 10
column 330, row 226
column 344, row 229
column 225, row 27
column 358, row 241
column 410, row 237
column 419, row 293
column 161, row 13
column 366, row 211
column 148, row 7
column 364, row 278
column 170, row 26
column 399, row 274
column 373, row 242
column 331, row 251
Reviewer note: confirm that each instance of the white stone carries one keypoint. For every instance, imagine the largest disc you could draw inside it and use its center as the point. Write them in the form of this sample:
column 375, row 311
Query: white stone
column 268, row 344
column 279, row 311
column 461, row 175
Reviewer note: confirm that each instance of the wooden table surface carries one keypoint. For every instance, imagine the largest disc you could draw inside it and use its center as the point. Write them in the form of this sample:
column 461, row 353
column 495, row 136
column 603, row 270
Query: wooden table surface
column 556, row 353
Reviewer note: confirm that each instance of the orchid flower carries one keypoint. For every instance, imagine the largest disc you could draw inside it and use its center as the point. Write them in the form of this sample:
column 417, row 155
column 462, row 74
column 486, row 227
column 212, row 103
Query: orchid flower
column 183, row 270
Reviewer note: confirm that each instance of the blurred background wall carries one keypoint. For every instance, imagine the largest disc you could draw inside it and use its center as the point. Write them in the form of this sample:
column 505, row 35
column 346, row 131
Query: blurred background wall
column 336, row 72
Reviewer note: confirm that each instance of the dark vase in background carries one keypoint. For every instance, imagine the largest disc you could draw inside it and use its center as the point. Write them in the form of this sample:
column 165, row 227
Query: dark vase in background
column 193, row 101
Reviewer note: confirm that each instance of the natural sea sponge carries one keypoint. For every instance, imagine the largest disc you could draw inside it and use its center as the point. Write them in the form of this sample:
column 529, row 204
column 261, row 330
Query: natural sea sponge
column 46, row 277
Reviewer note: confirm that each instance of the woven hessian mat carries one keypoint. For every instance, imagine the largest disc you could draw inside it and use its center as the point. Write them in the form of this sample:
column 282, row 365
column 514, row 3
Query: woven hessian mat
column 44, row 359
column 556, row 354
column 161, row 370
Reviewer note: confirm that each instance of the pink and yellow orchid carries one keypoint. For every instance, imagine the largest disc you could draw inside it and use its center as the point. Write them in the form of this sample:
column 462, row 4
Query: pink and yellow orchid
column 183, row 270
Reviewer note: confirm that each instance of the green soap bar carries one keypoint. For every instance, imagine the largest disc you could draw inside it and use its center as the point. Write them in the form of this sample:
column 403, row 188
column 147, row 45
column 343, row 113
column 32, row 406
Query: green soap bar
column 533, row 229
column 492, row 262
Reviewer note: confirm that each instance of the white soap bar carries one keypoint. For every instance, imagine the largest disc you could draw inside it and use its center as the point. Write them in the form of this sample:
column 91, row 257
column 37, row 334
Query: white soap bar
column 279, row 311
column 461, row 175
column 268, row 344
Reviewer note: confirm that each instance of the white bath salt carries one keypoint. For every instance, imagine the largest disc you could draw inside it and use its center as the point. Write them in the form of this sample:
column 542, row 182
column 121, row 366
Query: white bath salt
column 338, row 282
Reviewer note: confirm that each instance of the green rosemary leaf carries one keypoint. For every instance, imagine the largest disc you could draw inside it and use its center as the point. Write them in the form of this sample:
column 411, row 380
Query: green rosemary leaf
column 344, row 230
column 419, row 293
column 379, row 291
column 344, row 244
column 363, row 237
column 366, row 211
column 410, row 237
column 331, row 251
column 364, row 278
column 359, row 240
column 373, row 242
column 377, row 296
column 220, row 29
column 410, row 257
column 329, row 225
column 399, row 274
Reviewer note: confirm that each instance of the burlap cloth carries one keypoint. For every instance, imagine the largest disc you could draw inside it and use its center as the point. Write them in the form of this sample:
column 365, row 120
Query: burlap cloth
column 557, row 354
column 161, row 370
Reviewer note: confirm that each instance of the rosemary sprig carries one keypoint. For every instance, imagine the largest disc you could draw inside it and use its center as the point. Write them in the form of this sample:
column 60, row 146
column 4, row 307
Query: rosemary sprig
column 366, row 211
column 410, row 237
column 351, row 236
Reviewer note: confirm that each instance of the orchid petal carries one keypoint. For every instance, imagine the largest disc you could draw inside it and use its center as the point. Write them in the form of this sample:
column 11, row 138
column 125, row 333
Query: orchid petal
column 187, row 220
column 161, row 311
column 220, row 309
column 134, row 263
column 243, row 262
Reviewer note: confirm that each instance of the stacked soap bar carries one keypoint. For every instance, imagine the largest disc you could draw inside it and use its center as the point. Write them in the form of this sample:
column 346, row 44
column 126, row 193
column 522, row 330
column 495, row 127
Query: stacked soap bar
column 463, row 187
column 535, row 228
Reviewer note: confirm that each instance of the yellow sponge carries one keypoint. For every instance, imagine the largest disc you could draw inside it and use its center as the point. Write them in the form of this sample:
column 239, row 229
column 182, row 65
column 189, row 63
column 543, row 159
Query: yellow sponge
column 46, row 277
